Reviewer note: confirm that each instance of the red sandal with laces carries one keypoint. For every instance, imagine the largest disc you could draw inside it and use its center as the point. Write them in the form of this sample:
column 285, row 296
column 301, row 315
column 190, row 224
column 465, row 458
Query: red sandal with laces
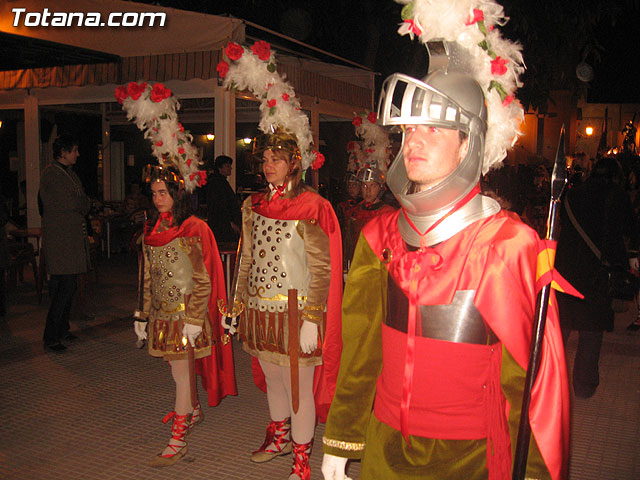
column 177, row 444
column 278, row 435
column 300, row 469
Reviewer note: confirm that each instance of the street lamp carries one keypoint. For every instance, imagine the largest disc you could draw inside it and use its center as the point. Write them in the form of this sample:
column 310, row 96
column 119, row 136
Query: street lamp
column 588, row 131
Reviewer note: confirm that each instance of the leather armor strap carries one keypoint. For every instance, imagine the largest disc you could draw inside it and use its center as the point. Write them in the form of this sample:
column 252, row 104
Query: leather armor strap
column 294, row 345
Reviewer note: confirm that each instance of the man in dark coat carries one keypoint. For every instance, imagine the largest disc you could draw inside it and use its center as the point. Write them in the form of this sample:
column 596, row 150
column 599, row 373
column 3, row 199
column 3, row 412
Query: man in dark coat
column 64, row 237
column 223, row 208
column 602, row 209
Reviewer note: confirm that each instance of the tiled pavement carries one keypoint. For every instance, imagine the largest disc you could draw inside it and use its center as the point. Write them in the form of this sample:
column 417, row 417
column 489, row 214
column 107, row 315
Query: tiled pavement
column 94, row 412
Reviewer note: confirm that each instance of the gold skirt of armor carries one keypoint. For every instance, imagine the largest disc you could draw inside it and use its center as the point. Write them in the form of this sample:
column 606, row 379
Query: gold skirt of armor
column 166, row 340
column 265, row 335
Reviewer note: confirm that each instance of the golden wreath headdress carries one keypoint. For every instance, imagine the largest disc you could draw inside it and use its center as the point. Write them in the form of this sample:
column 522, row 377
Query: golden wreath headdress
column 157, row 173
column 277, row 141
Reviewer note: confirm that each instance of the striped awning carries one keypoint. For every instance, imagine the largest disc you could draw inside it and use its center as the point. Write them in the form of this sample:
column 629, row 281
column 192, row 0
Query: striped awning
column 177, row 66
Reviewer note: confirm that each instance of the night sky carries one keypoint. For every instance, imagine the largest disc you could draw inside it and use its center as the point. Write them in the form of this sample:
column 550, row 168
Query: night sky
column 343, row 27
column 616, row 78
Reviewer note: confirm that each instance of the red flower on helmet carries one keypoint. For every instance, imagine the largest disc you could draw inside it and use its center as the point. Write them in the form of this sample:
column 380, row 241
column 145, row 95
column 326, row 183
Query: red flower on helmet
column 189, row 160
column 134, row 90
column 498, row 66
column 319, row 161
column 181, row 150
column 285, row 97
column 222, row 69
column 262, row 50
column 271, row 103
column 234, row 51
column 357, row 121
column 121, row 94
column 478, row 16
column 159, row 143
column 413, row 27
column 507, row 100
column 351, row 146
column 159, row 92
column 372, row 117
column 203, row 178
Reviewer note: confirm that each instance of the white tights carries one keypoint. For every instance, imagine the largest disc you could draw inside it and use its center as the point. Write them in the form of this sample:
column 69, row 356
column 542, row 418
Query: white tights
column 280, row 404
column 180, row 373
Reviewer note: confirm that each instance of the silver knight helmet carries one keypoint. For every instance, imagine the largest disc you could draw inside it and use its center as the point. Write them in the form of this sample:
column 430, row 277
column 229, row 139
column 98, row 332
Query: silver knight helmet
column 448, row 98
column 370, row 174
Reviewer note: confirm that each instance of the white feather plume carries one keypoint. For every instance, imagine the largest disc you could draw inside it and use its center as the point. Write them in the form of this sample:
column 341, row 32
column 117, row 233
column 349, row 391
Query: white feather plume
column 375, row 142
column 279, row 107
column 153, row 109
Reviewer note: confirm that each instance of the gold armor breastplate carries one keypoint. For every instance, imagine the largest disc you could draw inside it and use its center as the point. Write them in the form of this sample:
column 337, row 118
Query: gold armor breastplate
column 171, row 278
column 278, row 263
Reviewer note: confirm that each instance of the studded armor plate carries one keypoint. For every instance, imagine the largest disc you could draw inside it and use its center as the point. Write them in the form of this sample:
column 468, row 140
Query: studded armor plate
column 171, row 278
column 172, row 274
column 278, row 264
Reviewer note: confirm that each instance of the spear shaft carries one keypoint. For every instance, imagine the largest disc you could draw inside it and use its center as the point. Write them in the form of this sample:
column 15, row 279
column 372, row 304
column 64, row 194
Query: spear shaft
column 558, row 182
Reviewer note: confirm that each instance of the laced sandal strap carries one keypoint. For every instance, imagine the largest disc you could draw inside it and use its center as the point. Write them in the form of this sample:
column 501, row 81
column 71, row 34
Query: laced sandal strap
column 197, row 412
column 196, row 416
column 174, row 447
column 180, row 425
column 169, row 416
column 301, row 453
column 277, row 435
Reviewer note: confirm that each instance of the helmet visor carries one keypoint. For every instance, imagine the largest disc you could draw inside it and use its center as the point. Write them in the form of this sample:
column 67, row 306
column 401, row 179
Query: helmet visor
column 405, row 100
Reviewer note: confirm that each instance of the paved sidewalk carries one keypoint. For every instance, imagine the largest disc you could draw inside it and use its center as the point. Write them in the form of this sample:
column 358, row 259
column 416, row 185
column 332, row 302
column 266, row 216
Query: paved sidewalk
column 94, row 412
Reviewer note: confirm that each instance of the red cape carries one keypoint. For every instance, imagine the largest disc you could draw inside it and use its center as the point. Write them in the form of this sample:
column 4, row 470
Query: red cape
column 216, row 370
column 306, row 206
column 486, row 256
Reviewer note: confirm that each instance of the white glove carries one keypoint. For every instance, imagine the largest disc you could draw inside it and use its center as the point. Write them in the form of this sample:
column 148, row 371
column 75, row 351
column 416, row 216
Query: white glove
column 141, row 330
column 229, row 323
column 634, row 264
column 333, row 468
column 308, row 336
column 191, row 332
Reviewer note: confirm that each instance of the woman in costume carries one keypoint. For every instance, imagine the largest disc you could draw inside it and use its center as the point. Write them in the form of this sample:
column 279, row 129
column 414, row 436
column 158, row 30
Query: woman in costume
column 182, row 272
column 183, row 280
column 291, row 246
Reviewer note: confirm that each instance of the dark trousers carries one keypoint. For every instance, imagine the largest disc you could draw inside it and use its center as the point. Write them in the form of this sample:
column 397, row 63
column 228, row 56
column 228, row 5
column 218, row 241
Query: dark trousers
column 61, row 290
column 586, row 374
